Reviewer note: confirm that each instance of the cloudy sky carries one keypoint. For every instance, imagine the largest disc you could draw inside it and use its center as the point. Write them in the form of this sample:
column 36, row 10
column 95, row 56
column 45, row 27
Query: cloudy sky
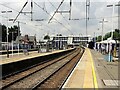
column 60, row 22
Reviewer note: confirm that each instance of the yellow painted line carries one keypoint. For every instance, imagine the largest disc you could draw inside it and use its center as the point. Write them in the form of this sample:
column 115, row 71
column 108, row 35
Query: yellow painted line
column 93, row 72
column 88, row 77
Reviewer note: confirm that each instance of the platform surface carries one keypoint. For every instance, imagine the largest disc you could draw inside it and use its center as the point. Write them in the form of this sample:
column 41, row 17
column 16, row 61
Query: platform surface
column 107, row 72
column 92, row 71
column 82, row 76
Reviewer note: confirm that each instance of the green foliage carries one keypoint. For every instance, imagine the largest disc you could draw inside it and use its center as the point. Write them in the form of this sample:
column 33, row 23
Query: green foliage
column 59, row 34
column 117, row 30
column 99, row 38
column 47, row 37
column 4, row 33
column 13, row 30
column 108, row 35
column 116, row 35
column 13, row 33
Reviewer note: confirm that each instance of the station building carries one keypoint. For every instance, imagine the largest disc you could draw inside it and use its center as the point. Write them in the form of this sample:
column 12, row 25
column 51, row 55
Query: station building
column 30, row 40
column 61, row 42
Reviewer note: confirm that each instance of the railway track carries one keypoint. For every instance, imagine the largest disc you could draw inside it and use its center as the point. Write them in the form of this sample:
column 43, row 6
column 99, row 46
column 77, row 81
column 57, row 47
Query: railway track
column 22, row 70
column 58, row 79
column 17, row 76
column 35, row 77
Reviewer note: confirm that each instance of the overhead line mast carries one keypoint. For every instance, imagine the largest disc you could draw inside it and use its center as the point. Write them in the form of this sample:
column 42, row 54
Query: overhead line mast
column 20, row 11
column 70, row 10
column 60, row 12
column 87, row 13
column 56, row 11
column 50, row 15
column 31, row 10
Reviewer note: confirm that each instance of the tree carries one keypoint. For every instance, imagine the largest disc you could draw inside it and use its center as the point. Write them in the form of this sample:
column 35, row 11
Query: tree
column 108, row 35
column 13, row 32
column 4, row 33
column 59, row 34
column 99, row 38
column 117, row 30
column 12, row 29
column 47, row 37
column 116, row 35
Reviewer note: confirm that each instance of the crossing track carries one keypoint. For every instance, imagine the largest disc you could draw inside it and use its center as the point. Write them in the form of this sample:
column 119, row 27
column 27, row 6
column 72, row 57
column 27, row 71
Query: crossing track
column 36, row 77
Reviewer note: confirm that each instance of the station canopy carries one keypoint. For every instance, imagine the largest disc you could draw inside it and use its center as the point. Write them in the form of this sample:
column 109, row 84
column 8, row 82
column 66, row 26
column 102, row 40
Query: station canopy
column 107, row 41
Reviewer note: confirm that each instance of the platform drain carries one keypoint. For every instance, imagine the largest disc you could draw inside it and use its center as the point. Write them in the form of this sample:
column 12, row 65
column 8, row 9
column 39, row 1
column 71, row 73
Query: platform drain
column 111, row 82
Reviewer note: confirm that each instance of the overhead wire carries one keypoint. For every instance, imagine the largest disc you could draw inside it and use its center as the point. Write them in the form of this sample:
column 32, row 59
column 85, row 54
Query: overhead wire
column 3, row 16
column 13, row 9
column 50, row 15
column 93, row 18
column 66, row 20
column 62, row 16
column 18, row 12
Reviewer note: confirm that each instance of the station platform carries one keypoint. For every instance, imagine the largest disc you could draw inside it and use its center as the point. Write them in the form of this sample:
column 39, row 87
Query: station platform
column 21, row 56
column 93, row 71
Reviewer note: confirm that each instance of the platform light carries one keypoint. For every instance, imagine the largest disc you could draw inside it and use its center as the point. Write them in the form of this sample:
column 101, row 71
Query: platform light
column 103, row 20
column 7, row 31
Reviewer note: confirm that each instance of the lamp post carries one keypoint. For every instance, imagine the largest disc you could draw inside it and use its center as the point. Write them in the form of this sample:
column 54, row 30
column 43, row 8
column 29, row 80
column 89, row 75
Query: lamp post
column 112, row 18
column 7, row 31
column 18, row 36
column 113, row 6
column 103, row 20
column 87, row 16
column 12, row 32
column 12, row 42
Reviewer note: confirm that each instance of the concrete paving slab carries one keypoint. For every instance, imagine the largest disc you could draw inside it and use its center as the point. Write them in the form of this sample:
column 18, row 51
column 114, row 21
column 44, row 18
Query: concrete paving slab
column 106, row 71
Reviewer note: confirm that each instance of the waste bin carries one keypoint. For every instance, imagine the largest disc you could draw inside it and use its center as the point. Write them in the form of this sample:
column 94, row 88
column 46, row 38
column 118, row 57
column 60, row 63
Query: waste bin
column 108, row 57
column 119, row 53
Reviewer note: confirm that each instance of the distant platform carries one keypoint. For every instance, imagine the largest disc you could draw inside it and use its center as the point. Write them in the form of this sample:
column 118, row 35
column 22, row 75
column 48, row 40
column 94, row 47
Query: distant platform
column 22, row 62
column 31, row 55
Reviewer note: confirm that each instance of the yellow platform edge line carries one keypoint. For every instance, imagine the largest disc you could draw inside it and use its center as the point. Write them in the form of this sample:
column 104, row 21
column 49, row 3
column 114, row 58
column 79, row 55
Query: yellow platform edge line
column 93, row 72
